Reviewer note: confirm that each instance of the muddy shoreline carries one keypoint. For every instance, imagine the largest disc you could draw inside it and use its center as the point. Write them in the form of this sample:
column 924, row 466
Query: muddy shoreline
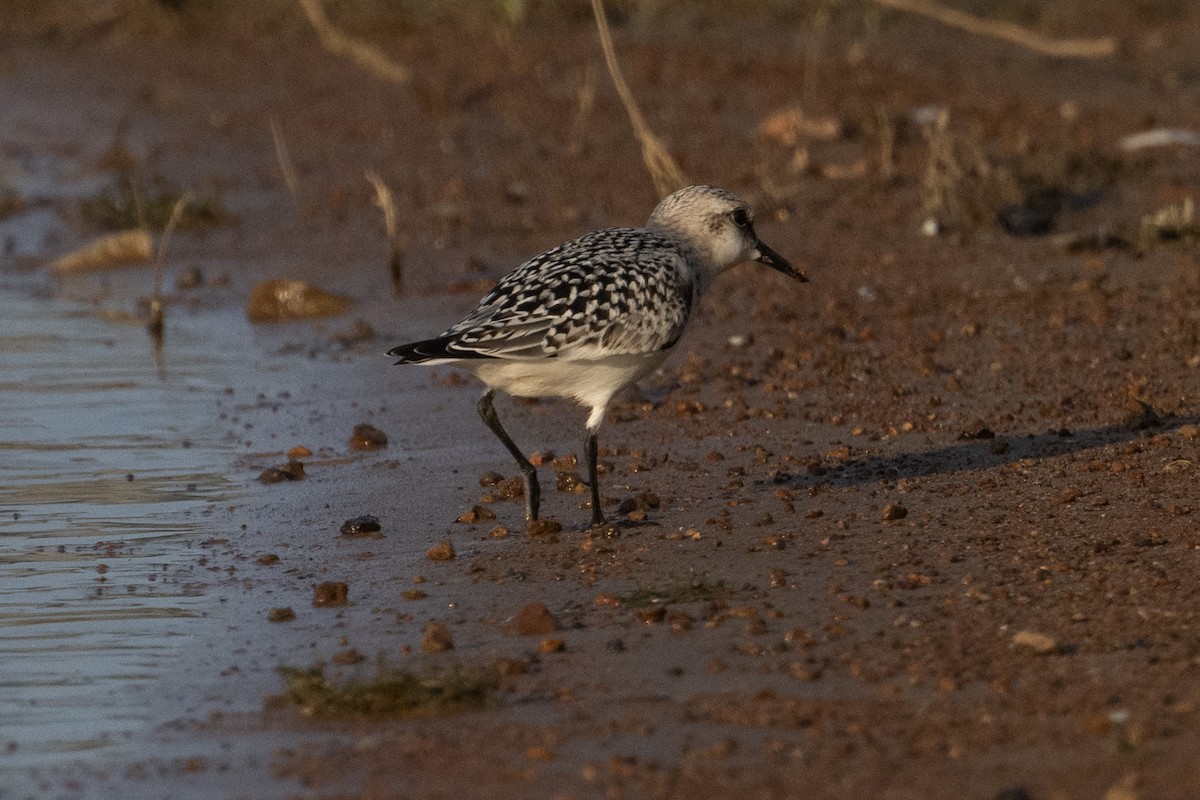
column 924, row 527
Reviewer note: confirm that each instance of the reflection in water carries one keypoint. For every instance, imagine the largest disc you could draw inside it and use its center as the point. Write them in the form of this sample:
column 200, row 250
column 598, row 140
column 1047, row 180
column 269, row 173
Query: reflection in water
column 107, row 470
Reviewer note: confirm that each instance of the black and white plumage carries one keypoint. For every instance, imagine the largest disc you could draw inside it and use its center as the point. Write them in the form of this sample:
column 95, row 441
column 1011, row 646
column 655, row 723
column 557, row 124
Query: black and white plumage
column 589, row 317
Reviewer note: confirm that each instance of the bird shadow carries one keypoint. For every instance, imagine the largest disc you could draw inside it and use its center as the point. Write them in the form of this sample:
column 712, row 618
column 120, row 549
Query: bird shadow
column 975, row 452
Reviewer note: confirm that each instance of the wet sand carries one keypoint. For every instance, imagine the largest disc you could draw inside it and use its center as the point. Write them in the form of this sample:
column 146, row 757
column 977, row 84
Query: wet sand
column 923, row 527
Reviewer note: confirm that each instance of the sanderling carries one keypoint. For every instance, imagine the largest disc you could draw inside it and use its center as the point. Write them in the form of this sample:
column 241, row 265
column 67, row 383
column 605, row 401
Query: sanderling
column 592, row 316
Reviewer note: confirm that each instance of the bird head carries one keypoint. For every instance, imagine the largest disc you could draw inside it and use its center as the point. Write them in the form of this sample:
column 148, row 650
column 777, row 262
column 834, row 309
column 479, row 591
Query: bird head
column 720, row 227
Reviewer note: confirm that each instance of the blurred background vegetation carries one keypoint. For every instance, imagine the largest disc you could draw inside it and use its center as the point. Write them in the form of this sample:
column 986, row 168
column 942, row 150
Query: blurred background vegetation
column 81, row 19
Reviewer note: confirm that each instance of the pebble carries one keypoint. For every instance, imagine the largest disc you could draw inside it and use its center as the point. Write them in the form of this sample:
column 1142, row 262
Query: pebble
column 367, row 437
column 365, row 525
column 543, row 527
column 490, row 478
column 287, row 300
column 291, row 471
column 350, row 655
column 534, row 619
column 436, row 638
column 1039, row 643
column 442, row 551
column 894, row 511
column 331, row 593
column 281, row 615
column 475, row 514
column 540, row 754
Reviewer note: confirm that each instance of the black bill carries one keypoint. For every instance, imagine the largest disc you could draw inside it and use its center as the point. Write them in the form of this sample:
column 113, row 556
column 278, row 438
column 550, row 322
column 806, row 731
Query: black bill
column 777, row 262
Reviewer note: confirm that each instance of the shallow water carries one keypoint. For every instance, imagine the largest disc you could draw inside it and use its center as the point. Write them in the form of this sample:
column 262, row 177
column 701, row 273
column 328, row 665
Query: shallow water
column 110, row 461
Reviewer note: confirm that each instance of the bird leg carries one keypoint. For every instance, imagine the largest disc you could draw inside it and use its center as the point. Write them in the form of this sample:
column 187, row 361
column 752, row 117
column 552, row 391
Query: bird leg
column 533, row 492
column 589, row 450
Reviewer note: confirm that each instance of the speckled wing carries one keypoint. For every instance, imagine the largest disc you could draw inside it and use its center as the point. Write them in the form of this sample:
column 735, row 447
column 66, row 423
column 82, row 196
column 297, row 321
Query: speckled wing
column 621, row 291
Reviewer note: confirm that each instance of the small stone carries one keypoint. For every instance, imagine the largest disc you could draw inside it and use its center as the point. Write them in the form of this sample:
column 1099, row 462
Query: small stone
column 298, row 452
column 498, row 532
column 367, row 437
column 511, row 489
column 679, row 620
column 651, row 616
column 288, row 300
column 490, row 478
column 976, row 431
column 436, row 638
column 366, row 525
column 350, row 655
column 565, row 481
column 894, row 511
column 413, row 594
column 190, row 278
column 268, row 560
column 534, row 619
column 291, row 471
column 543, row 527
column 281, row 615
column 475, row 514
column 1069, row 495
column 511, row 666
column 331, row 593
column 804, row 672
column 1039, row 643
column 442, row 551
column 551, row 646
column 1124, row 789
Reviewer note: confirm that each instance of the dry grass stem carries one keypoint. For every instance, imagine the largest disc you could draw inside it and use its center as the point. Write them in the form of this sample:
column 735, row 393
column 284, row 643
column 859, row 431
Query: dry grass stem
column 365, row 55
column 157, row 320
column 961, row 188
column 383, row 199
column 584, row 102
column 1061, row 48
column 816, row 49
column 665, row 173
column 887, row 143
column 285, row 162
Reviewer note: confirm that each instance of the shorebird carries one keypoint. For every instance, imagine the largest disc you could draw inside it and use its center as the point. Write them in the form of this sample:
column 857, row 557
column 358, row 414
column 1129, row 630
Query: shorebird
column 589, row 317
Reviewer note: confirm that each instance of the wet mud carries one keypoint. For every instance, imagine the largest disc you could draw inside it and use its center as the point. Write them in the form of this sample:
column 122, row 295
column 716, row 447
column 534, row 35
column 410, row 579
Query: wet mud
column 922, row 527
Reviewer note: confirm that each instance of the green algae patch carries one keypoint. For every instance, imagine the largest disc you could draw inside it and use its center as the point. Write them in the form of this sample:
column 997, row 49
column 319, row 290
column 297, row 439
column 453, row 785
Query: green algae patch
column 392, row 692
column 683, row 591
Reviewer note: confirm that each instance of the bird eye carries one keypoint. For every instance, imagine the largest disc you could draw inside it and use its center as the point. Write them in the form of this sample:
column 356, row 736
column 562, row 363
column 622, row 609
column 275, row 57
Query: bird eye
column 741, row 218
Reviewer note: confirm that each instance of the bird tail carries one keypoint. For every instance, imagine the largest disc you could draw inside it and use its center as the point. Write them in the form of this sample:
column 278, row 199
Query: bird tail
column 431, row 351
column 421, row 352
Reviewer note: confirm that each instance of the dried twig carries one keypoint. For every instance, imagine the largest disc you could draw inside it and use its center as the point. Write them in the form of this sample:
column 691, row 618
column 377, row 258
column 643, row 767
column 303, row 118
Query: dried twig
column 665, row 173
column 1061, row 48
column 383, row 199
column 285, row 162
column 585, row 101
column 365, row 55
column 1160, row 137
column 156, row 322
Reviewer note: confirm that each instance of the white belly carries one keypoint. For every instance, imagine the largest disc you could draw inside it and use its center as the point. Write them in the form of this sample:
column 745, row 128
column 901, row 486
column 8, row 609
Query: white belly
column 592, row 382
